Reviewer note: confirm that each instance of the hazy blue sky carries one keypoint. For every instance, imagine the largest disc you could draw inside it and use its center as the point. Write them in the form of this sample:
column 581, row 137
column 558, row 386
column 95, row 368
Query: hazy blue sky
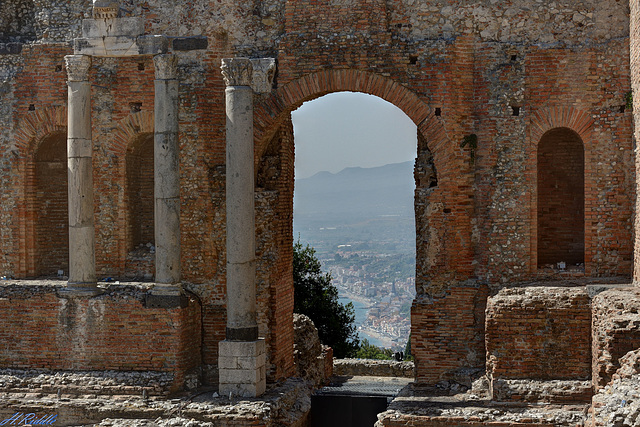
column 346, row 129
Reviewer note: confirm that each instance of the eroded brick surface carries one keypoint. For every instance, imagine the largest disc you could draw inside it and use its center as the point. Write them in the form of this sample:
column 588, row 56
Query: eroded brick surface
column 540, row 333
column 615, row 330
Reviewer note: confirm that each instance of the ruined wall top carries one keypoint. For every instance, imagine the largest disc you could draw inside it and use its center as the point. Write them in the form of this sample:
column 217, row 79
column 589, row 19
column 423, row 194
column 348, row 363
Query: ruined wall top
column 258, row 27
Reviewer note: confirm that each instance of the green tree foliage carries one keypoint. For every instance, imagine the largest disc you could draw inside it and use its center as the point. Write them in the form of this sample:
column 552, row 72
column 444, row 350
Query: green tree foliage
column 370, row 351
column 316, row 297
column 407, row 350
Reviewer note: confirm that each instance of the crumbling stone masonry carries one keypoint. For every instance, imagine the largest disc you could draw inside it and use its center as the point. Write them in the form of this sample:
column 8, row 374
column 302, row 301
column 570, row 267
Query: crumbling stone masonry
column 542, row 190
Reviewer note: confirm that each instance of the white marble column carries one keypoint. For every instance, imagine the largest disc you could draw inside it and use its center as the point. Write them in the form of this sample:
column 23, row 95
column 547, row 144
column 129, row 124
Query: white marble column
column 241, row 245
column 82, row 269
column 242, row 361
column 166, row 176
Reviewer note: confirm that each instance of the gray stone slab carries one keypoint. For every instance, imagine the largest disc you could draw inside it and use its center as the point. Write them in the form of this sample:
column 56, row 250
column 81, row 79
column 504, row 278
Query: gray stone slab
column 190, row 43
column 128, row 27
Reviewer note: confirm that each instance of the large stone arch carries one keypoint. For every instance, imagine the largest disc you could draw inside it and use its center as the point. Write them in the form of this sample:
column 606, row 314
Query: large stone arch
column 581, row 123
column 31, row 130
column 449, row 205
column 275, row 108
column 443, row 207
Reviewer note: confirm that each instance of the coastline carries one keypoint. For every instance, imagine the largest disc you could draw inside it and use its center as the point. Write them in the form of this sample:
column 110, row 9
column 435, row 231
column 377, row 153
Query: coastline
column 383, row 341
column 374, row 337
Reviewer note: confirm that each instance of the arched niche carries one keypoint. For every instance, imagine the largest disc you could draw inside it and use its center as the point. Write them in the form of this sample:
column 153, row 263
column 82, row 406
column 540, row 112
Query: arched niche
column 51, row 206
column 561, row 189
column 139, row 196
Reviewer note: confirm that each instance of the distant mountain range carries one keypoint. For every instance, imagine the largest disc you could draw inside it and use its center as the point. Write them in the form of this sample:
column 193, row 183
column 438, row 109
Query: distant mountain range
column 383, row 190
column 360, row 204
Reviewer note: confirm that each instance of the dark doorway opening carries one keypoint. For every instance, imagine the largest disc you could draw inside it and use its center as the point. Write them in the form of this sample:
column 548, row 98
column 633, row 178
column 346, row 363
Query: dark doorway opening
column 346, row 411
column 51, row 206
column 560, row 198
column 140, row 234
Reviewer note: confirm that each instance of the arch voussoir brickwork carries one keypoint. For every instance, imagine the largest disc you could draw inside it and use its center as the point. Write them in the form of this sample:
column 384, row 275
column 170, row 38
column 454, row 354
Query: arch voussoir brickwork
column 129, row 128
column 544, row 120
column 273, row 109
column 36, row 125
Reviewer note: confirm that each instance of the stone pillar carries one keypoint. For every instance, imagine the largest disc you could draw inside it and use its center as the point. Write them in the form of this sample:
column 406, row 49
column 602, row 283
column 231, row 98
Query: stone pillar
column 166, row 176
column 82, row 265
column 242, row 361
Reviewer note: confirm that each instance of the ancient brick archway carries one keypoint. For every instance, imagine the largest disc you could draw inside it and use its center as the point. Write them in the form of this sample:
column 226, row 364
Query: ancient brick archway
column 50, row 207
column 37, row 130
column 133, row 145
column 577, row 126
column 560, row 199
column 442, row 212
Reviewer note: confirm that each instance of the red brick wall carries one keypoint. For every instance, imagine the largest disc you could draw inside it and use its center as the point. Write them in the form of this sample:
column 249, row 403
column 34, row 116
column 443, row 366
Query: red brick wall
column 114, row 331
column 274, row 234
column 539, row 333
column 560, row 198
column 447, row 333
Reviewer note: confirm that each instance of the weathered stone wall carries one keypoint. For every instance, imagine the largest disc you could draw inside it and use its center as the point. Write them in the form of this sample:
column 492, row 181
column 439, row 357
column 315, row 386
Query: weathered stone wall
column 17, row 21
column 374, row 368
column 539, row 333
column 618, row 403
column 505, row 71
column 118, row 330
column 615, row 331
column 539, row 344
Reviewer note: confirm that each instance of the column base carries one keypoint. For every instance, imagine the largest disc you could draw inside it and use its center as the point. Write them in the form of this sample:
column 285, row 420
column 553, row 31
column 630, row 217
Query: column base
column 166, row 296
column 242, row 366
column 80, row 291
column 163, row 289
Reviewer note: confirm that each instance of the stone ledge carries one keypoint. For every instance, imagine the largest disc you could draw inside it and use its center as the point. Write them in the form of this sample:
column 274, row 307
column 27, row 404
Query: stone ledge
column 420, row 406
column 375, row 368
column 121, row 46
column 552, row 391
column 286, row 404
column 75, row 383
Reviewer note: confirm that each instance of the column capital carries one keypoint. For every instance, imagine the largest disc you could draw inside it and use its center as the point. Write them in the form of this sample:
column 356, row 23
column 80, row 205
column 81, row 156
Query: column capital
column 77, row 67
column 166, row 66
column 264, row 70
column 106, row 9
column 237, row 71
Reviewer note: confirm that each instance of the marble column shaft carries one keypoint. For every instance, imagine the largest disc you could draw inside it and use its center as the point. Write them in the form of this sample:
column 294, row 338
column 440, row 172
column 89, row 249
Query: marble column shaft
column 241, row 243
column 82, row 270
column 166, row 171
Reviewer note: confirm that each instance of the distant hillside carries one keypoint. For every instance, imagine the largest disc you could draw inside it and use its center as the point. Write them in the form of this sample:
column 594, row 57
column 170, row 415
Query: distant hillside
column 361, row 204
column 384, row 190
